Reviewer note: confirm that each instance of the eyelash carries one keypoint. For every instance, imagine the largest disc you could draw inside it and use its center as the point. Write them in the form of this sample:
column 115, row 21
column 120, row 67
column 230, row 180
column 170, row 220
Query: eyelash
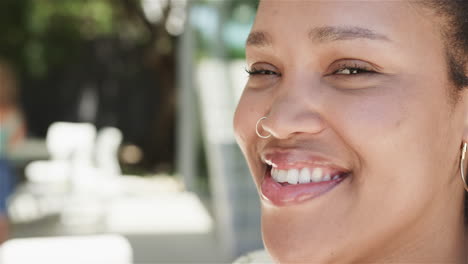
column 354, row 70
column 255, row 71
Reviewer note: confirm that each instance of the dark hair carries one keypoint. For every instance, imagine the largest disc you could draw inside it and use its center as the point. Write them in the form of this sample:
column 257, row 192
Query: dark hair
column 455, row 30
column 454, row 27
column 453, row 16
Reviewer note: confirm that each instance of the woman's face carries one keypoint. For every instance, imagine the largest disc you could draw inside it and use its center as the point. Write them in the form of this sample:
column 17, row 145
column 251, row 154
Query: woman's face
column 365, row 131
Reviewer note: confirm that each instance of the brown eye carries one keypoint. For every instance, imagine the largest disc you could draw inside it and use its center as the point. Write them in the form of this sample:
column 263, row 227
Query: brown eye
column 352, row 67
column 353, row 74
column 263, row 69
column 352, row 71
column 262, row 75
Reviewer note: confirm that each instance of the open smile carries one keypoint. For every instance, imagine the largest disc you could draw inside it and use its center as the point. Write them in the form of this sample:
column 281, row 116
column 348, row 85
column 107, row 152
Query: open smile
column 288, row 181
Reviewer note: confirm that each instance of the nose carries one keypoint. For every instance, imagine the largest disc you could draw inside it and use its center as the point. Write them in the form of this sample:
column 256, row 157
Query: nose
column 296, row 109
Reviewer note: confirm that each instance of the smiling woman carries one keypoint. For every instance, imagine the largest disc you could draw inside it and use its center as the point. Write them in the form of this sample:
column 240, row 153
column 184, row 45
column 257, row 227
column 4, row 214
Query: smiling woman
column 352, row 123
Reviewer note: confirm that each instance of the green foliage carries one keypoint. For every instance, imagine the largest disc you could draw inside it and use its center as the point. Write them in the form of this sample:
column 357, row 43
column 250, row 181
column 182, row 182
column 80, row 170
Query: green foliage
column 59, row 27
column 13, row 21
column 39, row 35
column 89, row 18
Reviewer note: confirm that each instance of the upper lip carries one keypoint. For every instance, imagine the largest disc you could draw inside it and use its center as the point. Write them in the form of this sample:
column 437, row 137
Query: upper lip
column 293, row 158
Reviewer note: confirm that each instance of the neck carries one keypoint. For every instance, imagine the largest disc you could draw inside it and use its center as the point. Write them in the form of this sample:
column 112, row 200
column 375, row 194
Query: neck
column 439, row 239
column 438, row 235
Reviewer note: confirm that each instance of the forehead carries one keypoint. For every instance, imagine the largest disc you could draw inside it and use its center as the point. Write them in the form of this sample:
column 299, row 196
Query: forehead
column 371, row 19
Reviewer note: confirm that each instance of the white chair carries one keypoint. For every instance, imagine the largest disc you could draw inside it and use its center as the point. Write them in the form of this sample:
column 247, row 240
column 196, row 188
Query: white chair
column 97, row 249
column 106, row 151
column 80, row 175
column 71, row 147
column 68, row 144
column 65, row 139
column 94, row 186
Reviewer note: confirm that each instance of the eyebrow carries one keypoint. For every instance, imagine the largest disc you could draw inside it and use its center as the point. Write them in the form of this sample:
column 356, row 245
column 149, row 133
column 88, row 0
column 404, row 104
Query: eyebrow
column 259, row 39
column 321, row 35
column 327, row 33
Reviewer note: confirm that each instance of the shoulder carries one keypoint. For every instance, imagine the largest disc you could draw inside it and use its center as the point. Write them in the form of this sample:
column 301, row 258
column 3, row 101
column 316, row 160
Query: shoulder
column 255, row 257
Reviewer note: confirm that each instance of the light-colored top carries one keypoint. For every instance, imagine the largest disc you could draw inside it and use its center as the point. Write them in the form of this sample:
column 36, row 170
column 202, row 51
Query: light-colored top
column 11, row 124
column 255, row 257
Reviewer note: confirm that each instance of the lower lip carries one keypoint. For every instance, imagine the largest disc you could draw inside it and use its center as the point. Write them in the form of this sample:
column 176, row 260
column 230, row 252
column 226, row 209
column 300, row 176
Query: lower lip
column 292, row 194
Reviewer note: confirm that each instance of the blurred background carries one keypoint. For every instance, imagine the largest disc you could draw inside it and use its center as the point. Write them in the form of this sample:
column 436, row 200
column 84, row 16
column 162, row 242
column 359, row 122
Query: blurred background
column 116, row 132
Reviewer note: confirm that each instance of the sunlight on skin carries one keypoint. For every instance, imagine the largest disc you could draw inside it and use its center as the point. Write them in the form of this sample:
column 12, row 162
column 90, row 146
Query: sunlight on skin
column 361, row 91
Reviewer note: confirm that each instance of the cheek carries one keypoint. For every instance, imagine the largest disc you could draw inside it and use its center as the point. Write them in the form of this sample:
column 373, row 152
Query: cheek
column 370, row 121
column 248, row 111
column 252, row 105
column 242, row 116
column 405, row 117
column 400, row 136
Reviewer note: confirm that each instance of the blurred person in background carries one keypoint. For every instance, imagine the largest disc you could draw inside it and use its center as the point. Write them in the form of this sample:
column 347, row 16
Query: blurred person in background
column 12, row 131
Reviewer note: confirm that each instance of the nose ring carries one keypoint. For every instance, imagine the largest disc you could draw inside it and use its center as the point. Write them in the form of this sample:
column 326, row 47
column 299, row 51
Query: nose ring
column 256, row 128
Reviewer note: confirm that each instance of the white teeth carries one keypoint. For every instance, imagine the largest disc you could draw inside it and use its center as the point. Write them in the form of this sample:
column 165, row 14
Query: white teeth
column 293, row 176
column 274, row 174
column 316, row 175
column 304, row 176
column 282, row 176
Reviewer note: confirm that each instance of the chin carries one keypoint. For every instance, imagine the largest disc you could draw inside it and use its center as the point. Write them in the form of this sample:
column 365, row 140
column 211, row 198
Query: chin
column 289, row 238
